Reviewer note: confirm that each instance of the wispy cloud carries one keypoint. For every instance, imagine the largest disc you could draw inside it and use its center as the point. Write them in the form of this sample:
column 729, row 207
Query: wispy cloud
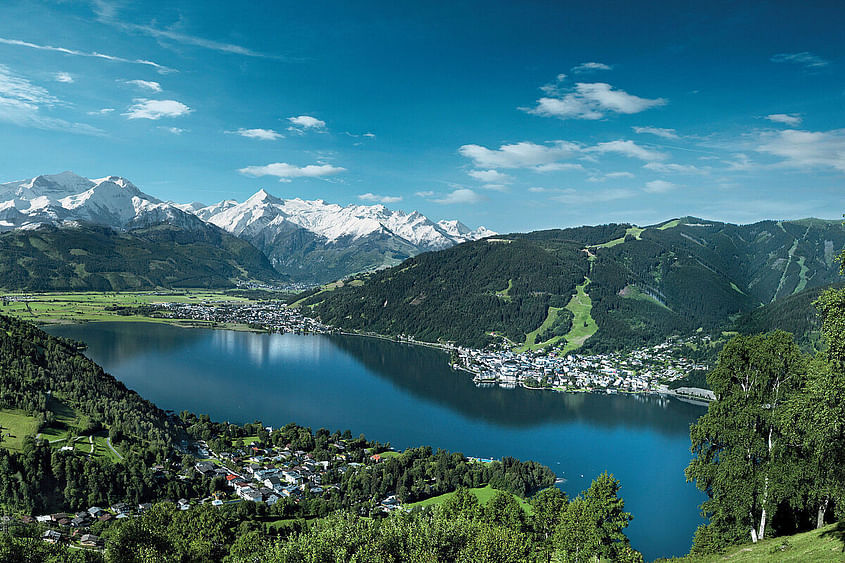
column 659, row 131
column 675, row 168
column 806, row 59
column 63, row 77
column 149, row 85
column 590, row 67
column 460, row 196
column 490, row 176
column 260, row 134
column 806, row 149
column 22, row 102
column 156, row 109
column 574, row 197
column 792, row 119
column 659, row 187
column 77, row 53
column 629, row 149
column 425, row 193
column 174, row 130
column 375, row 198
column 284, row 171
column 592, row 101
column 104, row 111
column 519, row 155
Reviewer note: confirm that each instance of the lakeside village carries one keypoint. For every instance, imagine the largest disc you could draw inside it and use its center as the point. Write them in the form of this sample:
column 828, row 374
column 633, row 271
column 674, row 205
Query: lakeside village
column 646, row 370
column 256, row 472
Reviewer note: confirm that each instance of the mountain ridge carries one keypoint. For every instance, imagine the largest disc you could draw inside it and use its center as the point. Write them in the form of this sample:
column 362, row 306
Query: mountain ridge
column 310, row 241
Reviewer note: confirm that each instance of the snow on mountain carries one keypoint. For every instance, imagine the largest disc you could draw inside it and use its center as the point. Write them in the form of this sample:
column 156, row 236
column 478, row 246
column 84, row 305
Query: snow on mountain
column 66, row 198
column 311, row 240
column 332, row 222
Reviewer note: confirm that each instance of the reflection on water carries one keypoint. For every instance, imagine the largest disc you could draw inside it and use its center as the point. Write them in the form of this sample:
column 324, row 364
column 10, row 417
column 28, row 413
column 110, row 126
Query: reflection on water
column 408, row 395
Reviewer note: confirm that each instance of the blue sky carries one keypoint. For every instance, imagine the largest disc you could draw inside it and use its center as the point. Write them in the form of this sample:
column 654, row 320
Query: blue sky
column 514, row 115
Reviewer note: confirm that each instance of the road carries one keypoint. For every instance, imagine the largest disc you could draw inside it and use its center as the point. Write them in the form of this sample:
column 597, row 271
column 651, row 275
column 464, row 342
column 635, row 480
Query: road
column 114, row 451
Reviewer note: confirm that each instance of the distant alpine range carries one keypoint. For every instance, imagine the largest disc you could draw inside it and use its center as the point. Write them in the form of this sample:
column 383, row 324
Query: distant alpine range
column 304, row 241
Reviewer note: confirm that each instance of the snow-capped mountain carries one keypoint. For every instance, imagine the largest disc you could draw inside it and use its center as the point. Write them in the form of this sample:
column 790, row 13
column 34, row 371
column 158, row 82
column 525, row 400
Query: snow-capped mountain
column 333, row 222
column 309, row 240
column 66, row 198
column 324, row 241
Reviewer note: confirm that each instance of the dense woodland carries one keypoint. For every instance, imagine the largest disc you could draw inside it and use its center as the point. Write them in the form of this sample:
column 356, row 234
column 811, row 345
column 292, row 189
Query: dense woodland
column 101, row 259
column 646, row 286
column 770, row 451
column 463, row 293
column 460, row 530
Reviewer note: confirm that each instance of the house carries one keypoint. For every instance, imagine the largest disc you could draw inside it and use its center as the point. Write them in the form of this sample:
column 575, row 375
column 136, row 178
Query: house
column 273, row 482
column 90, row 540
column 206, row 468
column 184, row 504
column 248, row 493
column 51, row 536
column 217, row 502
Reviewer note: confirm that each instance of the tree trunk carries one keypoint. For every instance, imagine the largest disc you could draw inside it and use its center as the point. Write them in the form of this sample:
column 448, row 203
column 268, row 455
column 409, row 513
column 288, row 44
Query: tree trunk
column 753, row 529
column 762, row 535
column 822, row 510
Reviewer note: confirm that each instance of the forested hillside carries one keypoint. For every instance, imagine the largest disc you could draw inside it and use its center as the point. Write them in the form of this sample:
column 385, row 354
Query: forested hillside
column 644, row 284
column 102, row 259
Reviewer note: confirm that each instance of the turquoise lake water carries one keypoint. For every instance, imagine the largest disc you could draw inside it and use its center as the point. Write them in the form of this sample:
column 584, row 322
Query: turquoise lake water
column 409, row 396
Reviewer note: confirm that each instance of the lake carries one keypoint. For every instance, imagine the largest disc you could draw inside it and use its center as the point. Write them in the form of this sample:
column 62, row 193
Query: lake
column 410, row 396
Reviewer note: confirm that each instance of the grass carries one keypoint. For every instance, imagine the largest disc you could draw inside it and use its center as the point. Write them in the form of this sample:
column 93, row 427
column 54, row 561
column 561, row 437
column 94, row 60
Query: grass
column 91, row 306
column 19, row 425
column 531, row 337
column 669, row 225
column 583, row 324
column 505, row 293
column 387, row 454
column 737, row 289
column 635, row 232
column 484, row 494
column 826, row 544
column 633, row 292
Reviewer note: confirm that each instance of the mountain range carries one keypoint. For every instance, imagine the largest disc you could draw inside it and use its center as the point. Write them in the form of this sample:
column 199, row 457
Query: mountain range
column 598, row 288
column 306, row 241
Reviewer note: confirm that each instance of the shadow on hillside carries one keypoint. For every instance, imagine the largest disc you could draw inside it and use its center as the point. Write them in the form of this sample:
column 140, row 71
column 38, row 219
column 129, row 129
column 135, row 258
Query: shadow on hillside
column 837, row 532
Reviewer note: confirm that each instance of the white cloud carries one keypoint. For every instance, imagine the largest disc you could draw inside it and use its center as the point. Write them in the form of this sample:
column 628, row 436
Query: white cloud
column 490, row 176
column 807, row 149
column 461, row 195
column 379, row 198
column 285, row 171
column 156, row 109
column 537, row 190
column 63, row 77
column 495, row 187
column 558, row 167
column 370, row 135
column 740, row 163
column 590, row 67
column 150, row 85
column 674, row 168
column 574, row 197
column 592, row 101
column 519, row 155
column 303, row 122
column 659, row 131
column 629, row 149
column 94, row 54
column 618, row 175
column 260, row 134
column 104, row 111
column 659, row 187
column 787, row 118
column 806, row 59
column 174, row 130
column 21, row 103
column 427, row 193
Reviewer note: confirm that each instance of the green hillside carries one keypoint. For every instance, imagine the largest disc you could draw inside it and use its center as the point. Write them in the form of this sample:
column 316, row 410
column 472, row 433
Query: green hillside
column 101, row 259
column 644, row 283
column 817, row 546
